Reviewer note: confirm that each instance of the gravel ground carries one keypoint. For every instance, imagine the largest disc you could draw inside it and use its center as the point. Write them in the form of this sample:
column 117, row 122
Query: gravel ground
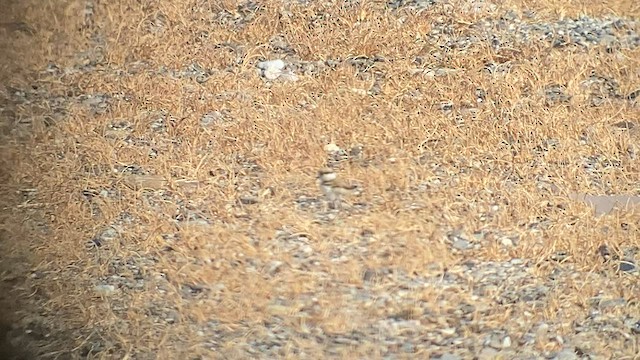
column 472, row 307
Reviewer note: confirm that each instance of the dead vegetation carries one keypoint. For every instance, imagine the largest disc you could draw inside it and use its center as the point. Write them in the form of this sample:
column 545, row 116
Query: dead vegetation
column 159, row 196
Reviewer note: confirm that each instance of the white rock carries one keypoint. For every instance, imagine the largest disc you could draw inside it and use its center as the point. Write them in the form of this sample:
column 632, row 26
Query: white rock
column 274, row 69
column 506, row 342
column 104, row 290
column 271, row 69
column 448, row 331
column 332, row 148
column 361, row 92
column 506, row 242
column 288, row 76
column 271, row 64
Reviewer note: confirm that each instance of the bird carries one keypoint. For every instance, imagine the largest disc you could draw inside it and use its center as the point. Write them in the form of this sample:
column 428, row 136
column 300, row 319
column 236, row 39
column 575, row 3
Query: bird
column 333, row 187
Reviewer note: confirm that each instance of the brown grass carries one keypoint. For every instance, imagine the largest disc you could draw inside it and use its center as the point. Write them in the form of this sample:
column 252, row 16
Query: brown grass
column 282, row 129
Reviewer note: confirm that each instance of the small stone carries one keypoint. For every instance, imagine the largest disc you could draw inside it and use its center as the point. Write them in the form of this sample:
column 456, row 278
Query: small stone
column 448, row 331
column 461, row 244
column 566, row 354
column 211, row 118
column 487, row 354
column 370, row 275
column 172, row 317
column 495, row 342
column 542, row 331
column 627, row 266
column 288, row 75
column 104, row 289
column 361, row 92
column 271, row 64
column 307, row 250
column 274, row 267
column 506, row 242
column 506, row 342
column 332, row 148
column 109, row 233
column 610, row 303
column 356, row 150
column 248, row 200
column 273, row 69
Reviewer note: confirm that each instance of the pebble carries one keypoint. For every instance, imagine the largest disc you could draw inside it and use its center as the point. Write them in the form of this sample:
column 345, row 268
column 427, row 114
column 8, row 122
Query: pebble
column 628, row 266
column 448, row 331
column 461, row 244
column 211, row 118
column 332, row 148
column 566, row 354
column 506, row 342
column 271, row 69
column 104, row 289
column 506, row 242
column 274, row 69
column 274, row 267
column 488, row 353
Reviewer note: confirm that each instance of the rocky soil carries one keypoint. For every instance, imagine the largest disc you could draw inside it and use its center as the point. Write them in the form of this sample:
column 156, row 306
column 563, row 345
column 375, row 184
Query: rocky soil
column 159, row 181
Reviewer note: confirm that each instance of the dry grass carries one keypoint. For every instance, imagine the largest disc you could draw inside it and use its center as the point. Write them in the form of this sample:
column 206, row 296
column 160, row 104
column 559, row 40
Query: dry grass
column 270, row 145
